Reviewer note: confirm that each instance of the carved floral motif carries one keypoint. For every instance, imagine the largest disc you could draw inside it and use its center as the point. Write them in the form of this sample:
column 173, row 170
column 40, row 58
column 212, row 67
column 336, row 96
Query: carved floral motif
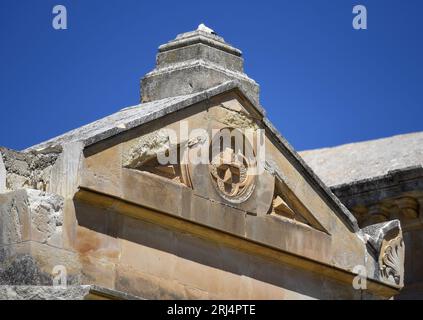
column 230, row 171
column 231, row 178
column 391, row 261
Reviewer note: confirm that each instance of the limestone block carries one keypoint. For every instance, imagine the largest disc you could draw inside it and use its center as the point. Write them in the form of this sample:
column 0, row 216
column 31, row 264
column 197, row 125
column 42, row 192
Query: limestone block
column 17, row 265
column 70, row 224
column 191, row 78
column 202, row 185
column 265, row 230
column 289, row 236
column 46, row 217
column 196, row 259
column 229, row 114
column 97, row 271
column 31, row 215
column 279, row 162
column 148, row 259
column 261, row 200
column 65, row 172
column 152, row 236
column 103, row 171
column 145, row 148
column 27, row 169
column 96, row 233
column 15, row 224
column 96, row 244
column 234, row 105
column 227, row 218
column 200, row 209
column 43, row 293
column 15, row 182
column 76, row 292
column 154, row 192
column 147, row 286
column 32, row 263
column 48, row 258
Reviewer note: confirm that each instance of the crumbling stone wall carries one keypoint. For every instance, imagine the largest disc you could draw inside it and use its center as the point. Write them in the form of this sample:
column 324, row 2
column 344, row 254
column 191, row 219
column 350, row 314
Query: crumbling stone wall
column 26, row 169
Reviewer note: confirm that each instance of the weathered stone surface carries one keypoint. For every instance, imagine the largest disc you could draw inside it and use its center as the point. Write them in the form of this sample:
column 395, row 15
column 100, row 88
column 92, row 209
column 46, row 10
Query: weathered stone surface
column 31, row 215
column 32, row 263
column 23, row 292
column 83, row 292
column 65, row 173
column 146, row 148
column 96, row 233
column 98, row 271
column 392, row 185
column 15, row 225
column 103, row 171
column 25, row 170
column 376, row 233
column 143, row 188
column 231, row 118
column 364, row 160
column 193, row 62
column 380, row 181
column 46, row 217
column 22, row 269
column 113, row 217
column 132, row 117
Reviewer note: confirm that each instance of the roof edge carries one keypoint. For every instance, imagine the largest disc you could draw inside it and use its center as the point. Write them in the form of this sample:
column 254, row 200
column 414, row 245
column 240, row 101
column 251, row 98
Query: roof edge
column 312, row 178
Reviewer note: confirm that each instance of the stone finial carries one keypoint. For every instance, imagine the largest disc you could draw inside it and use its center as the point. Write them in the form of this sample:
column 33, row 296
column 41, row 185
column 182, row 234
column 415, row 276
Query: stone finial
column 204, row 28
column 195, row 61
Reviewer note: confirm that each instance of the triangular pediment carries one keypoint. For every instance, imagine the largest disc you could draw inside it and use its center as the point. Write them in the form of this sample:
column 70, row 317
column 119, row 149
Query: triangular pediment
column 284, row 212
column 285, row 195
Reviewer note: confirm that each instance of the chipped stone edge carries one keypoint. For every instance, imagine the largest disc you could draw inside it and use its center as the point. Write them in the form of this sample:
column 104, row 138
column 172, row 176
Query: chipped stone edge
column 377, row 232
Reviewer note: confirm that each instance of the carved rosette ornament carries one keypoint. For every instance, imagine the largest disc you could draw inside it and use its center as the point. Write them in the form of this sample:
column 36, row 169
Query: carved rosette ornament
column 232, row 168
column 391, row 260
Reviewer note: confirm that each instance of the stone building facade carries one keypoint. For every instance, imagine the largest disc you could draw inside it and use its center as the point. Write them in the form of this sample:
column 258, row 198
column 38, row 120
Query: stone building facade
column 96, row 214
column 379, row 181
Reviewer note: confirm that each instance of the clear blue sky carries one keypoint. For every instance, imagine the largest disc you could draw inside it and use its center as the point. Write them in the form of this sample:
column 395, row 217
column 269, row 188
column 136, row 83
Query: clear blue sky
column 322, row 83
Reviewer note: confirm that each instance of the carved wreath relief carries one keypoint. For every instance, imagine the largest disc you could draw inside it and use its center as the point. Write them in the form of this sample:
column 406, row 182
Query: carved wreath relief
column 231, row 166
column 391, row 261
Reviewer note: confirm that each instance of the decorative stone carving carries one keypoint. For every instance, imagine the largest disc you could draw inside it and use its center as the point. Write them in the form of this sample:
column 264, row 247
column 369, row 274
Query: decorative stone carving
column 391, row 260
column 176, row 172
column 281, row 208
column 378, row 213
column 408, row 206
column 386, row 239
column 142, row 155
column 231, row 170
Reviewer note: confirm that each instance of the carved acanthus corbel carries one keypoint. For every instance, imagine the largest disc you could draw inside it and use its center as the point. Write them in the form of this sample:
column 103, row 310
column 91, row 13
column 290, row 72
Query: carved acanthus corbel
column 387, row 240
column 391, row 260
